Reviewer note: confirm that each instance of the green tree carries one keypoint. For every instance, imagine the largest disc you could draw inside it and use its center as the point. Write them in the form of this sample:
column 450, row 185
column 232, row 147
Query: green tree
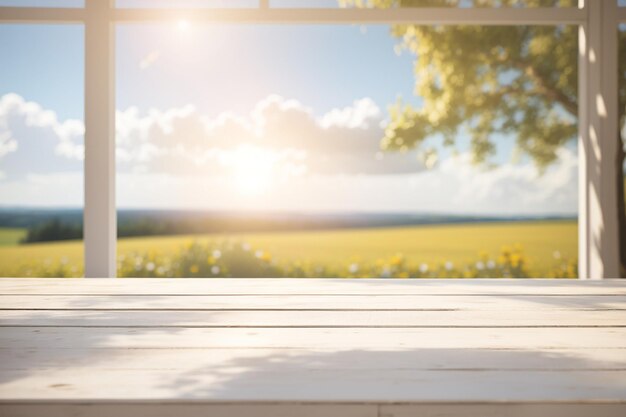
column 521, row 81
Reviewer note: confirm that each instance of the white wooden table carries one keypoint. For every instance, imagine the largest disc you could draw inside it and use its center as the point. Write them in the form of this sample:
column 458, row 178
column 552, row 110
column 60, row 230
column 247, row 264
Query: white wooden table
column 301, row 348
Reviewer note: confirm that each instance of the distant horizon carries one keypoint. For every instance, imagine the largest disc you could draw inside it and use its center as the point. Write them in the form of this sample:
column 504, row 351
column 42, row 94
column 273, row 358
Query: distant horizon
column 307, row 212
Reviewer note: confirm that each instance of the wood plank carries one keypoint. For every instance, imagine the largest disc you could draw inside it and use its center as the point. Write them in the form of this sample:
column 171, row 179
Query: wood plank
column 308, row 302
column 282, row 359
column 290, row 409
column 348, row 319
column 263, row 383
column 143, row 352
column 379, row 287
column 504, row 410
column 184, row 409
column 302, row 338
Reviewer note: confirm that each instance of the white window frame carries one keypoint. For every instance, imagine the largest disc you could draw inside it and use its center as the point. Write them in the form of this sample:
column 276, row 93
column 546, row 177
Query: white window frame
column 598, row 22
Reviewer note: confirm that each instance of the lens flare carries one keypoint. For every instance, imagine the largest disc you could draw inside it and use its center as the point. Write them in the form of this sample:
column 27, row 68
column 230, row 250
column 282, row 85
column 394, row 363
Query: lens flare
column 183, row 25
column 252, row 169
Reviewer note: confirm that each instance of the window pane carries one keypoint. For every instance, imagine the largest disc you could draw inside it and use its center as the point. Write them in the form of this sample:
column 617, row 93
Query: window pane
column 41, row 150
column 42, row 3
column 283, row 152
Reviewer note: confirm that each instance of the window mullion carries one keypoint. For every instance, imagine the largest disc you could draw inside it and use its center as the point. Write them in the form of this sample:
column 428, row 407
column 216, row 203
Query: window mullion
column 100, row 221
column 599, row 133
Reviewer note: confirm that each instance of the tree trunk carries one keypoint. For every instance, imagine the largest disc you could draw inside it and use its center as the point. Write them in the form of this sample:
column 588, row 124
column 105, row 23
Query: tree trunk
column 621, row 205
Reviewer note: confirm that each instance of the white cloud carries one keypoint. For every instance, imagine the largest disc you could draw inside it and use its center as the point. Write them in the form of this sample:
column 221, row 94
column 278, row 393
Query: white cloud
column 68, row 132
column 330, row 162
column 33, row 138
column 7, row 143
column 455, row 186
column 509, row 188
column 358, row 116
column 342, row 140
column 61, row 189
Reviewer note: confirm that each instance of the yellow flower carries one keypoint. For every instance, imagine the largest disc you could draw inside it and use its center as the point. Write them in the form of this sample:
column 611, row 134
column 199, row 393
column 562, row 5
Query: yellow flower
column 403, row 275
column 572, row 271
column 194, row 269
column 396, row 260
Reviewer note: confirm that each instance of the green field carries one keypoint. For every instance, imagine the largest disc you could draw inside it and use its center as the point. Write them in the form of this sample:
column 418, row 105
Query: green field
column 10, row 237
column 543, row 244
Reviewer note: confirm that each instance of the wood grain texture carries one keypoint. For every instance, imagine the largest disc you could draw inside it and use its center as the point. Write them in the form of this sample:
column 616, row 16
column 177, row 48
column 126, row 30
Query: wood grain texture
column 374, row 287
column 307, row 302
column 284, row 409
column 312, row 319
column 323, row 338
column 312, row 348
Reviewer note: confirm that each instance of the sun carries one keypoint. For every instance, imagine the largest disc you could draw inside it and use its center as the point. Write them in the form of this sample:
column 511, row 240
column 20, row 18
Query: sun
column 252, row 170
column 183, row 25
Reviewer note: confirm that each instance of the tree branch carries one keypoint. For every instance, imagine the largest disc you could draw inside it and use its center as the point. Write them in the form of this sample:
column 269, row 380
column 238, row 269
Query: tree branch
column 545, row 89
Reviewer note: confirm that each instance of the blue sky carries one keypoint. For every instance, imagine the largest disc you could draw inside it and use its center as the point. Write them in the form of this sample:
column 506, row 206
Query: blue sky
column 234, row 66
column 323, row 85
column 44, row 63
column 343, row 62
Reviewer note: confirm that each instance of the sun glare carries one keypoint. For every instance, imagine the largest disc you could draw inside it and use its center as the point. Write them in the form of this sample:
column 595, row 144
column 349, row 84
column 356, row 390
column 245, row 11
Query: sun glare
column 183, row 25
column 252, row 170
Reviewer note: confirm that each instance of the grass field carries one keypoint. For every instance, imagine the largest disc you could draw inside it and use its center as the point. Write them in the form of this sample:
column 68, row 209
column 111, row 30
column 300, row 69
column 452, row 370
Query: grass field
column 459, row 244
column 11, row 237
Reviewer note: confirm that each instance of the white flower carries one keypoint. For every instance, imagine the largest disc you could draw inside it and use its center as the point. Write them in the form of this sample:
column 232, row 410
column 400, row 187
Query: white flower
column 386, row 273
column 150, row 266
column 557, row 254
column 423, row 268
column 491, row 264
column 480, row 265
column 258, row 254
column 217, row 254
column 354, row 268
column 449, row 266
column 215, row 270
column 245, row 246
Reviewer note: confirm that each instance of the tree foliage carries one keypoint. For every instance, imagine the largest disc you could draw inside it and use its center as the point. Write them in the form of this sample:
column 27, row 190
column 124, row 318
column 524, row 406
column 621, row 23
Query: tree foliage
column 483, row 80
column 53, row 230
